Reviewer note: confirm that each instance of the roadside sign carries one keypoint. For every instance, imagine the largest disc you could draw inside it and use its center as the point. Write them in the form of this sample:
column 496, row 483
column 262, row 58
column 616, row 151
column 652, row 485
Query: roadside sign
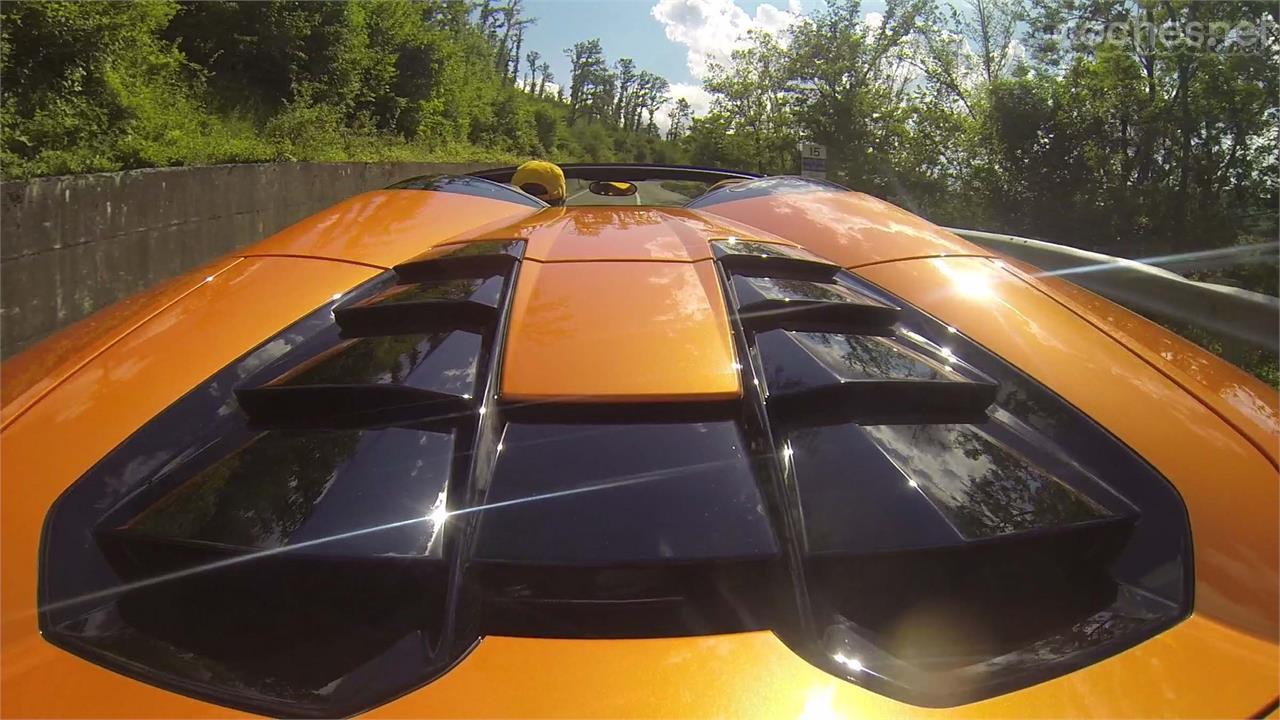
column 813, row 160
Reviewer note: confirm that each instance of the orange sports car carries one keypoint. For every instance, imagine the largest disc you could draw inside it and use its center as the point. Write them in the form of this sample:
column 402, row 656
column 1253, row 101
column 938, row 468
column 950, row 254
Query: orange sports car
column 683, row 447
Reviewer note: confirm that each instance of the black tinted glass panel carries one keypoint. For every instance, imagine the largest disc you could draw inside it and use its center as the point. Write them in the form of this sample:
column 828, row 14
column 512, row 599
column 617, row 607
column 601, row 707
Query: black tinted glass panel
column 360, row 493
column 478, row 289
column 760, row 249
column 753, row 288
column 441, row 362
column 586, row 494
column 861, row 357
column 797, row 361
column 854, row 500
column 478, row 248
column 983, row 488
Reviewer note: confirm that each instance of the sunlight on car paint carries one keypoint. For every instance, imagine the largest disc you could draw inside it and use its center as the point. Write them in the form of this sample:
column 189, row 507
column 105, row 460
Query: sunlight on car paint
column 819, row 704
column 970, row 284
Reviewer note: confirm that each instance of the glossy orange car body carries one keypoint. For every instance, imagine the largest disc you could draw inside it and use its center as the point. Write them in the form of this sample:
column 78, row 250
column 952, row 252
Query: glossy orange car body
column 609, row 297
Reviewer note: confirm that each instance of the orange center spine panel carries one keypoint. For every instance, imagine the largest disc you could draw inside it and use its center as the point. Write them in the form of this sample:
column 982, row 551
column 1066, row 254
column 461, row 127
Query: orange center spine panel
column 619, row 332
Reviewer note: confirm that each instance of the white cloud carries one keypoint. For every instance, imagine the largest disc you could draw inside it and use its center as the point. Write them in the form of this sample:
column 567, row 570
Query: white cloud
column 1017, row 54
column 712, row 29
column 699, row 99
column 699, row 102
column 550, row 90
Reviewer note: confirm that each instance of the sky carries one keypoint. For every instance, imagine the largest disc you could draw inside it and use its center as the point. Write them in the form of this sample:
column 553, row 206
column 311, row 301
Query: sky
column 672, row 38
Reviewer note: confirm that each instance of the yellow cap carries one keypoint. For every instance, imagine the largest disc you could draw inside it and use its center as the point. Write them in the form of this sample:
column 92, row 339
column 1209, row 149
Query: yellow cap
column 540, row 179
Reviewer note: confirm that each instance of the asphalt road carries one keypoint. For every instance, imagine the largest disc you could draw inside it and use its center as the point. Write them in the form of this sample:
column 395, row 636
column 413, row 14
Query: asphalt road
column 649, row 193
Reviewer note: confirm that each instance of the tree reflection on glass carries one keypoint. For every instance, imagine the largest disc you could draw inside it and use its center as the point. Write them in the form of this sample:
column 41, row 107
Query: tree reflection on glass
column 871, row 358
column 750, row 247
column 1131, row 612
column 1033, row 410
column 444, row 362
column 779, row 289
column 436, row 290
column 387, row 359
column 474, row 249
column 983, row 488
column 256, row 497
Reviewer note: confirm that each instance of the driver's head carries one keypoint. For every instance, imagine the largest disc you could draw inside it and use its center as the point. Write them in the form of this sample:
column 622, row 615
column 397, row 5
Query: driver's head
column 542, row 180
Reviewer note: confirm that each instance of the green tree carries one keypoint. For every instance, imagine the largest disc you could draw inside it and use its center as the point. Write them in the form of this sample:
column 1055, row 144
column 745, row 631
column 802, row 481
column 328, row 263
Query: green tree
column 851, row 81
column 751, row 101
column 101, row 86
column 92, row 86
column 679, row 116
column 587, row 69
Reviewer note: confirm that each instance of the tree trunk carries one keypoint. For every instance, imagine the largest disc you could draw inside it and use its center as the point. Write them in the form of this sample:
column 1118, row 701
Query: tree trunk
column 515, row 65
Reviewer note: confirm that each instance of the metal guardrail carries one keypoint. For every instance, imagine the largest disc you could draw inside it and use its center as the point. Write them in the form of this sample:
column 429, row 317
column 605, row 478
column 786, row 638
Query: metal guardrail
column 1244, row 316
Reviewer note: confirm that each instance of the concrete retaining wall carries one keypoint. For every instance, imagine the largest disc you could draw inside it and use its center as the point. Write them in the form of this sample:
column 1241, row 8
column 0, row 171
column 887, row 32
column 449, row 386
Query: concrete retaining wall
column 71, row 245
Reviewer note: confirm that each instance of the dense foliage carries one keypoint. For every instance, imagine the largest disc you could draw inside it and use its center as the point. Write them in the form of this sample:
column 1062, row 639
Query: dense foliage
column 1134, row 127
column 991, row 114
column 980, row 113
column 112, row 85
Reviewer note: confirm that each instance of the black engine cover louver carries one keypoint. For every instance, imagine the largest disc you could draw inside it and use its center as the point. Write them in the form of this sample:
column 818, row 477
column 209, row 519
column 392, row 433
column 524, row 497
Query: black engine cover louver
column 826, row 378
column 937, row 536
column 468, row 260
column 318, row 530
column 767, row 303
column 749, row 258
column 587, row 531
column 301, row 561
column 410, row 317
column 338, row 406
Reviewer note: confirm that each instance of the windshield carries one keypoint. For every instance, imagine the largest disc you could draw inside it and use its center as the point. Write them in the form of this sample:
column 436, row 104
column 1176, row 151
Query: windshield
column 661, row 193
